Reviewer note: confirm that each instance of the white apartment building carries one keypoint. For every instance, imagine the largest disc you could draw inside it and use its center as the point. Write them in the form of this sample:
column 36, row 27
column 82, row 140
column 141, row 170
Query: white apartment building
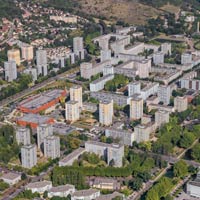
column 134, row 88
column 164, row 94
column 88, row 69
column 76, row 94
column 106, row 112
column 186, row 58
column 180, row 103
column 161, row 118
column 43, row 130
column 29, row 156
column 158, row 58
column 23, row 136
column 105, row 55
column 110, row 152
column 136, row 108
column 166, row 48
column 39, row 187
column 61, row 191
column 10, row 69
column 41, row 61
column 142, row 132
column 125, row 137
column 89, row 194
column 52, row 147
column 11, row 178
column 108, row 69
column 72, row 111
column 78, row 47
column 99, row 84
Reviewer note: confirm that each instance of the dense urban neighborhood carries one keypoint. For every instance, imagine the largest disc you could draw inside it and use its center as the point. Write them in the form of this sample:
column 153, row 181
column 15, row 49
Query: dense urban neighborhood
column 96, row 104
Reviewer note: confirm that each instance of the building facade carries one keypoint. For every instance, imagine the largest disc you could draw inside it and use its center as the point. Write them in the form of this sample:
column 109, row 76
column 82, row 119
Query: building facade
column 180, row 103
column 43, row 130
column 136, row 108
column 106, row 112
column 23, row 136
column 14, row 55
column 76, row 94
column 52, row 147
column 29, row 156
column 10, row 69
column 41, row 60
column 72, row 111
column 164, row 94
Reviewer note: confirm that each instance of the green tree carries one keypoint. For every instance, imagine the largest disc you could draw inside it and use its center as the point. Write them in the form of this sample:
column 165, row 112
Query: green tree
column 187, row 139
column 180, row 169
column 152, row 195
column 195, row 152
column 136, row 184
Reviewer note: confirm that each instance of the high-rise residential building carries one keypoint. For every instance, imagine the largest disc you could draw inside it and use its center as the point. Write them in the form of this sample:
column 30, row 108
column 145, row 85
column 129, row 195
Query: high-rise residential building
column 134, row 88
column 23, row 136
column 72, row 111
column 158, row 58
column 142, row 132
column 164, row 94
column 105, row 55
column 27, row 52
column 125, row 137
column 52, row 147
column 86, row 70
column 41, row 61
column 29, row 156
column 186, row 58
column 10, row 70
column 180, row 103
column 106, row 112
column 14, row 54
column 166, row 48
column 76, row 94
column 78, row 47
column 136, row 108
column 161, row 117
column 43, row 130
column 108, row 69
column 113, row 153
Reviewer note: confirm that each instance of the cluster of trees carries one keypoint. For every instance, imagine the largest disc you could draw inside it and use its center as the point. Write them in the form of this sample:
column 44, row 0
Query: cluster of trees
column 9, row 10
column 3, row 186
column 171, row 135
column 180, row 169
column 160, row 3
column 194, row 153
column 19, row 85
column 118, row 82
column 160, row 190
column 27, row 194
column 8, row 147
column 42, row 167
column 69, row 175
column 91, row 158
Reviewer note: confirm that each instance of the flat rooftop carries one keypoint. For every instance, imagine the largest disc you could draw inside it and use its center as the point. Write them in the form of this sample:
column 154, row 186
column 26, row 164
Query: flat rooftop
column 10, row 176
column 41, row 99
column 84, row 192
column 61, row 188
column 34, row 118
column 72, row 155
column 62, row 129
column 38, row 184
